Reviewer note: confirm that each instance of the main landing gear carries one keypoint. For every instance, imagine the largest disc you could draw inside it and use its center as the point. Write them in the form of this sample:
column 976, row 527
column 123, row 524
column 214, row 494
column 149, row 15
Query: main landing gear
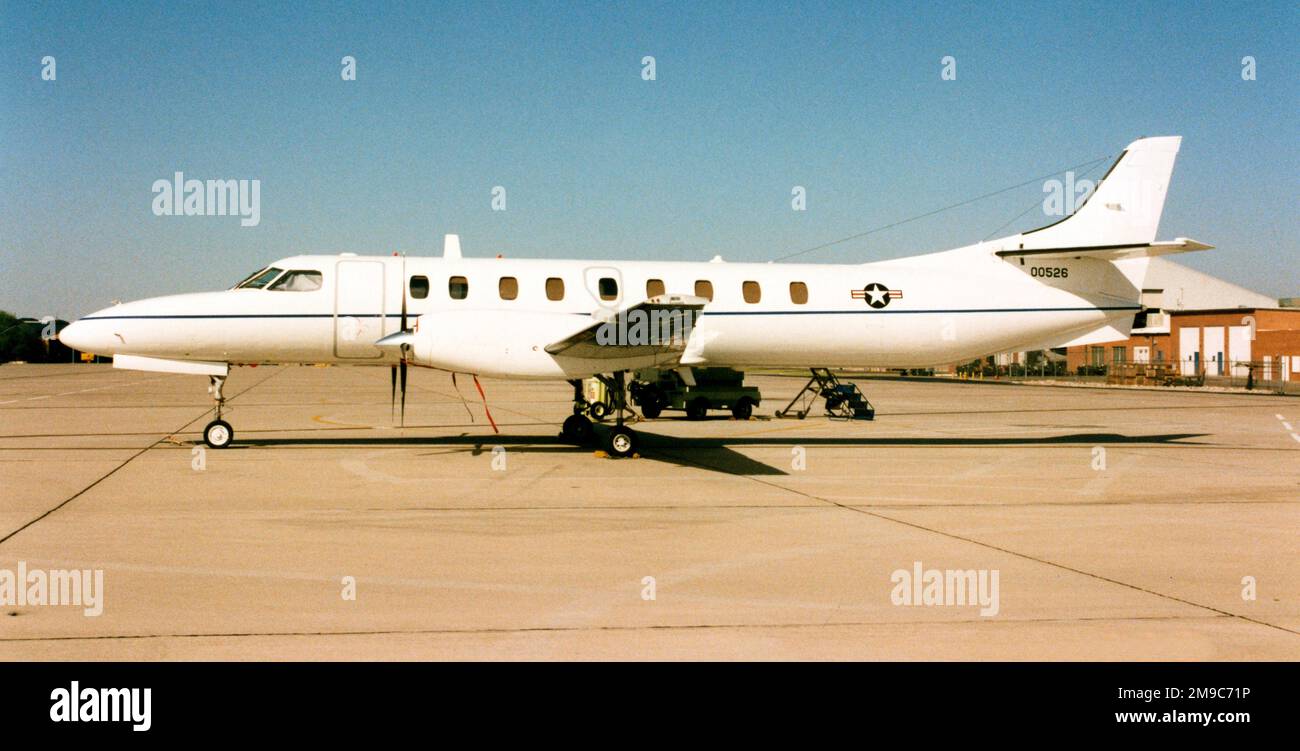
column 218, row 434
column 619, row 440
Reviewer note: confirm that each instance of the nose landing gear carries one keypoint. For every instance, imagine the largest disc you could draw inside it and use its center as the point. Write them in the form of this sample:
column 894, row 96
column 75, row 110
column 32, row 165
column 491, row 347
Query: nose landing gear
column 218, row 434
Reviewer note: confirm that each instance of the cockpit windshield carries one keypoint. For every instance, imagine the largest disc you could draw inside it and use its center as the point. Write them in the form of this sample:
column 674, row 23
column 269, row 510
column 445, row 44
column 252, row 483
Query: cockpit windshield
column 298, row 281
column 259, row 279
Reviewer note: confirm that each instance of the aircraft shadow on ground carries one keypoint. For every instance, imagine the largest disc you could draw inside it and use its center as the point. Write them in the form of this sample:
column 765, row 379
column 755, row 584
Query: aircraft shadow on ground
column 715, row 454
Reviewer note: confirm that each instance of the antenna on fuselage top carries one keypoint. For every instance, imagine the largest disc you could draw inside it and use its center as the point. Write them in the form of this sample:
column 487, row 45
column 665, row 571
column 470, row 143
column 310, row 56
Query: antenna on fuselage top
column 451, row 246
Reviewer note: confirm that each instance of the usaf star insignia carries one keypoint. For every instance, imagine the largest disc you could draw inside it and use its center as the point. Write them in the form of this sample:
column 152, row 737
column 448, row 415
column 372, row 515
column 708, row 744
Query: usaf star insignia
column 877, row 295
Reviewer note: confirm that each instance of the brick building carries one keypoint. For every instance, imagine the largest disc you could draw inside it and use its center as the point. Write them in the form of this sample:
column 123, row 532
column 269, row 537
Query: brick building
column 1206, row 325
column 1216, row 342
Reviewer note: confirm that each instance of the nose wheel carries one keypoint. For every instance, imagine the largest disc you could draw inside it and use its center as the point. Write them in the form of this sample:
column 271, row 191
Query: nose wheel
column 218, row 434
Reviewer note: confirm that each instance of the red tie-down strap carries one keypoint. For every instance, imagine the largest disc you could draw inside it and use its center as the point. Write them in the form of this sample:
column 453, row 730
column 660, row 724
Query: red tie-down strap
column 483, row 396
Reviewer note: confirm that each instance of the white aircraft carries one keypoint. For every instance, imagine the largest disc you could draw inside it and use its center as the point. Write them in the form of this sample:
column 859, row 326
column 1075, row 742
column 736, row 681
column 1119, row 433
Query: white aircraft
column 1073, row 282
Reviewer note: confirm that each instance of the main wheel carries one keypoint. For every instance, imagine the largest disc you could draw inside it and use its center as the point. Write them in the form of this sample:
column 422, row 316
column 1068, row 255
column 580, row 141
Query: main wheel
column 620, row 442
column 697, row 408
column 652, row 409
column 577, row 429
column 742, row 409
column 218, row 434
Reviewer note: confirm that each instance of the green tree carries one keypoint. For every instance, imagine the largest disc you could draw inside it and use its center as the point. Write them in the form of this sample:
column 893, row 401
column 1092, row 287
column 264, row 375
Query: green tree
column 20, row 339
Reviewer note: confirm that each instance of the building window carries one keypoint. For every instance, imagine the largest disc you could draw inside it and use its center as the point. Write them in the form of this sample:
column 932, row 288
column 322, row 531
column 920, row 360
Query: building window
column 419, row 287
column 751, row 291
column 458, row 287
column 798, row 293
column 1117, row 355
column 608, row 288
column 555, row 288
column 704, row 288
column 1160, row 355
column 508, row 287
column 1097, row 355
column 654, row 287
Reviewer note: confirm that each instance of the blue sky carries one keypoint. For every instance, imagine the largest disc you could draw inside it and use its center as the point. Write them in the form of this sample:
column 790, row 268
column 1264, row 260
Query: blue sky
column 547, row 101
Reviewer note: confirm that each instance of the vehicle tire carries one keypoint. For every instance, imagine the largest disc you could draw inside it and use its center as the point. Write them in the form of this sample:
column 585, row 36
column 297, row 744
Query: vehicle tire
column 577, row 429
column 697, row 409
column 651, row 402
column 218, row 434
column 598, row 411
column 742, row 409
column 621, row 442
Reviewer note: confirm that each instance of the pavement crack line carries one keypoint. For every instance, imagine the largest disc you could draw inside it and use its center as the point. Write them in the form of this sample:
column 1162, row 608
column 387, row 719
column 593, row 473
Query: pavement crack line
column 128, row 460
column 492, row 631
column 952, row 536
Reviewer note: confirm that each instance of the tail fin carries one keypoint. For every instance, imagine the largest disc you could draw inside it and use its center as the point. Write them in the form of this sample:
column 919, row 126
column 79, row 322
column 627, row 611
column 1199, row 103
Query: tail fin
column 1124, row 209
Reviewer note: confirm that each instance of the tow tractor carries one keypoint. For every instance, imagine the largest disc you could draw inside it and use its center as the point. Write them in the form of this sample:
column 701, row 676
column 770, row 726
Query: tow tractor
column 694, row 391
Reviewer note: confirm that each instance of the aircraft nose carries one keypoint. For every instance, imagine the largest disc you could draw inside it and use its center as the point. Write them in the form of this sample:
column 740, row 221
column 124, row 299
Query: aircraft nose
column 86, row 336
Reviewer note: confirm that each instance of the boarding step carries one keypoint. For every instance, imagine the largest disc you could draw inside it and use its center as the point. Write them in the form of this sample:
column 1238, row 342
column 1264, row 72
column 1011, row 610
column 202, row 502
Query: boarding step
column 844, row 401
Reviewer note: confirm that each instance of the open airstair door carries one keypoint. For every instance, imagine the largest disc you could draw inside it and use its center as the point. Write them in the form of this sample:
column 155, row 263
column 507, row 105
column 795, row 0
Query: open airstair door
column 657, row 329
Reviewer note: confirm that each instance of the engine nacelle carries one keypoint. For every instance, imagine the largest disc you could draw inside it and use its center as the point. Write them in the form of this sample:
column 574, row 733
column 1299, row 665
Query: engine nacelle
column 515, row 346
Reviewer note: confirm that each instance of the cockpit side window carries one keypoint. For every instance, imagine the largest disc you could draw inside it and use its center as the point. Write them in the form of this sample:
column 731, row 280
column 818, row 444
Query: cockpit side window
column 240, row 283
column 298, row 281
column 260, row 279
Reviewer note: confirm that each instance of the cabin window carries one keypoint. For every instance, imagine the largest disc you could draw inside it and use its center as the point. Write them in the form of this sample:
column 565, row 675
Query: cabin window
column 261, row 279
column 704, row 288
column 298, row 281
column 654, row 287
column 419, row 287
column 555, row 288
column 751, row 291
column 508, row 287
column 458, row 287
column 798, row 293
column 608, row 288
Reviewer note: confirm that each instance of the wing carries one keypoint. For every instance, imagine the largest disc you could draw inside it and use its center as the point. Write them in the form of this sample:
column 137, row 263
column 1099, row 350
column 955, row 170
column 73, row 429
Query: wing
column 657, row 328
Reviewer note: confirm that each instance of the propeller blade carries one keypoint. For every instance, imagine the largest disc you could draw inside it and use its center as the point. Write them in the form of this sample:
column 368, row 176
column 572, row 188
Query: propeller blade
column 392, row 403
column 404, row 327
column 405, row 286
column 403, row 372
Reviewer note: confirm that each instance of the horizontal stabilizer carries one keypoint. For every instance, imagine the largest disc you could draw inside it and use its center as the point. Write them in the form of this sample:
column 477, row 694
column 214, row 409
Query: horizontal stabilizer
column 1111, row 252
